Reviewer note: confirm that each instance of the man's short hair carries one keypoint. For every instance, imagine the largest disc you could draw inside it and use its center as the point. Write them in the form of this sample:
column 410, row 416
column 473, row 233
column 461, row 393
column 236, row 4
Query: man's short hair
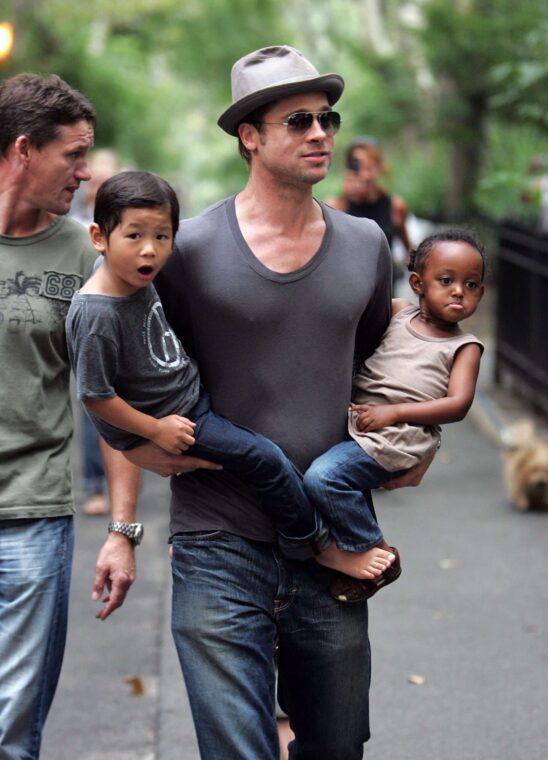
column 133, row 189
column 36, row 106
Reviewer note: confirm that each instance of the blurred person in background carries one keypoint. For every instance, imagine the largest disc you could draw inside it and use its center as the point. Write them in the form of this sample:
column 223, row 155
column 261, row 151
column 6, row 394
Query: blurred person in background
column 103, row 164
column 364, row 196
column 535, row 194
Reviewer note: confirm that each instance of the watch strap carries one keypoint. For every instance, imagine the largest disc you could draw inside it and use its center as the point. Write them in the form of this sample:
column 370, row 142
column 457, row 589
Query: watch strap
column 133, row 531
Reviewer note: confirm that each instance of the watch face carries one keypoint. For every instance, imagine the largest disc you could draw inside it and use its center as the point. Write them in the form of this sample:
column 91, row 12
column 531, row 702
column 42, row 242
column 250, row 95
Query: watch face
column 138, row 532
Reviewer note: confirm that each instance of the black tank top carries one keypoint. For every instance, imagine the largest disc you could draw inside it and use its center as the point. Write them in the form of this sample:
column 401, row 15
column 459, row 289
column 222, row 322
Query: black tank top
column 379, row 211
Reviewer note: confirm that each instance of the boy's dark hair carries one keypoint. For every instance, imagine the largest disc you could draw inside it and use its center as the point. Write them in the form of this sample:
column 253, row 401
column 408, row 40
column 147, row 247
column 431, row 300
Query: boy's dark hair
column 133, row 190
column 36, row 106
column 418, row 257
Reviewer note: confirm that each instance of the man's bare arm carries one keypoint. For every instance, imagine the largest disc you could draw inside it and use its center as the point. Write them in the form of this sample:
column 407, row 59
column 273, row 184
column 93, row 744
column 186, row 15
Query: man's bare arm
column 115, row 566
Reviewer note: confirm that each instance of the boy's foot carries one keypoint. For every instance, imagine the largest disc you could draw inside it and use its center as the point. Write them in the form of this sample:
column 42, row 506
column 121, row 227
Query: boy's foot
column 346, row 589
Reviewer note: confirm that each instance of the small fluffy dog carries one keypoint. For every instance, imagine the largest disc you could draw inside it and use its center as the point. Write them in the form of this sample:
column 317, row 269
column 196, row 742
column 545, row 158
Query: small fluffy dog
column 525, row 462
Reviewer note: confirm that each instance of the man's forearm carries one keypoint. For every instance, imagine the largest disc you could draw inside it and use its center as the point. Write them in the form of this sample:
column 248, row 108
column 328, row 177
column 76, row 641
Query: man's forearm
column 123, row 480
column 115, row 566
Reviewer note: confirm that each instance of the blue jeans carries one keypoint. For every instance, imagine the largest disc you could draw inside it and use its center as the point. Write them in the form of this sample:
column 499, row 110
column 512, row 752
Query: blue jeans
column 92, row 464
column 337, row 483
column 35, row 566
column 263, row 465
column 233, row 600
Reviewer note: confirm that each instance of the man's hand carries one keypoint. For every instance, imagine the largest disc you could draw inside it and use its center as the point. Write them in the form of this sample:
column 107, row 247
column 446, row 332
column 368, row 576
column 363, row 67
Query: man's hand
column 411, row 477
column 153, row 458
column 373, row 417
column 175, row 434
column 114, row 573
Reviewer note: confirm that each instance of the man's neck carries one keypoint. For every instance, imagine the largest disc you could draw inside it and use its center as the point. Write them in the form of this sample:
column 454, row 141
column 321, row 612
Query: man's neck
column 287, row 208
column 18, row 219
column 283, row 226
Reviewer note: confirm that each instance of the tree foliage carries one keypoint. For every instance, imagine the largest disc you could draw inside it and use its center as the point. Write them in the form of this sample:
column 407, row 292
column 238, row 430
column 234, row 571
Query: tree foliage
column 435, row 79
column 488, row 58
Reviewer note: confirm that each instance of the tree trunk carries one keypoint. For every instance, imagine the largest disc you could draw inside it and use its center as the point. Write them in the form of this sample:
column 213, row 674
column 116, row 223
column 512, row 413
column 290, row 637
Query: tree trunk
column 467, row 151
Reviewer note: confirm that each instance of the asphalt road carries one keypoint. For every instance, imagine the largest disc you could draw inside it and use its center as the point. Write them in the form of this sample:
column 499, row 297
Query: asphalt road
column 460, row 642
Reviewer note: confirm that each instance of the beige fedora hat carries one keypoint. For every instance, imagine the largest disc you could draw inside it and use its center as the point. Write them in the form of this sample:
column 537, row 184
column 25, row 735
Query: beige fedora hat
column 269, row 74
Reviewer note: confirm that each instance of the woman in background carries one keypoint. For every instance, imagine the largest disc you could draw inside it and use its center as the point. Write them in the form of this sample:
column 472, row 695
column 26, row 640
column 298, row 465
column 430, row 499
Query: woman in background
column 363, row 195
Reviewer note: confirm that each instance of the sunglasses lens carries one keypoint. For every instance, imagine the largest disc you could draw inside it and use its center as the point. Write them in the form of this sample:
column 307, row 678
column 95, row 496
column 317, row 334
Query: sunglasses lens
column 329, row 121
column 300, row 122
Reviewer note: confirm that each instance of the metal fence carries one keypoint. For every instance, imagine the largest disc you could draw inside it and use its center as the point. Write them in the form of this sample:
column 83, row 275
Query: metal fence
column 521, row 355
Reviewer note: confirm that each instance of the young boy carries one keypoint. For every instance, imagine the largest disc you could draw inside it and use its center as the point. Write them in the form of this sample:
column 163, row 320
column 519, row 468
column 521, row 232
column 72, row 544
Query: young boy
column 135, row 378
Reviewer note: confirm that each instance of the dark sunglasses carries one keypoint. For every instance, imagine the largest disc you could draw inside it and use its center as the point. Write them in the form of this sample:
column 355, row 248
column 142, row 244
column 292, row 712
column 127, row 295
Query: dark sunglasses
column 329, row 121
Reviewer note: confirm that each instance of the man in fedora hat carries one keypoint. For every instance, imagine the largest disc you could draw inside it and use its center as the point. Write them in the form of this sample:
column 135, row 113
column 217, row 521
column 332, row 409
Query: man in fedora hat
column 275, row 294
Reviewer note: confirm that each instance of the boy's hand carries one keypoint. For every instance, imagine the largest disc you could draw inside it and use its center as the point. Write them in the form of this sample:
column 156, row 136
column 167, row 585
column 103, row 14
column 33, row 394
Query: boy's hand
column 373, row 417
column 174, row 434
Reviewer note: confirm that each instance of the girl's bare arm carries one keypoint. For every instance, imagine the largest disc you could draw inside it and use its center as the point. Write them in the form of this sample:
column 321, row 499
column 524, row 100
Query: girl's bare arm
column 451, row 408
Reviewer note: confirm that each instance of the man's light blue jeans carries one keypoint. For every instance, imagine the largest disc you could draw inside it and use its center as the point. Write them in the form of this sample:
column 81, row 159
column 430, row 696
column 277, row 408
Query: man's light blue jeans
column 35, row 566
column 233, row 601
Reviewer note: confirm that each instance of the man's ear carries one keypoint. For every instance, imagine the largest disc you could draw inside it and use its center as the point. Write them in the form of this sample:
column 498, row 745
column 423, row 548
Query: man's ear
column 21, row 148
column 97, row 238
column 249, row 135
column 415, row 283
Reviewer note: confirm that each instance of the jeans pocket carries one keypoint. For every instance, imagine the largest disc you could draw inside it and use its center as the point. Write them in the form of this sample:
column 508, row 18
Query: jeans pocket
column 195, row 536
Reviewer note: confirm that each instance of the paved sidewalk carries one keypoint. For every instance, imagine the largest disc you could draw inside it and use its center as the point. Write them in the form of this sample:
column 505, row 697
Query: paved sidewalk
column 460, row 642
column 96, row 714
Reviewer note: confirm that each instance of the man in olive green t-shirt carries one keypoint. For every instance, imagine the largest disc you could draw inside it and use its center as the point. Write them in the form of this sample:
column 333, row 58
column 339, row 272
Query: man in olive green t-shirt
column 46, row 129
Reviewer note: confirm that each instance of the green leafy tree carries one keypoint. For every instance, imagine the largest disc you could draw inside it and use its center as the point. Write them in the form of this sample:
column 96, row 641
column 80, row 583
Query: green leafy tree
column 488, row 60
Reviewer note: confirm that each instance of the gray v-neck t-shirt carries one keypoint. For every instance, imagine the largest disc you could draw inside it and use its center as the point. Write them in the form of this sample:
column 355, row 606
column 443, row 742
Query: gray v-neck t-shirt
column 275, row 351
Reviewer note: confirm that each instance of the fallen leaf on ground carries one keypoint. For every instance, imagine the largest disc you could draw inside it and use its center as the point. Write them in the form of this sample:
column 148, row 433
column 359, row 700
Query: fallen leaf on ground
column 136, row 686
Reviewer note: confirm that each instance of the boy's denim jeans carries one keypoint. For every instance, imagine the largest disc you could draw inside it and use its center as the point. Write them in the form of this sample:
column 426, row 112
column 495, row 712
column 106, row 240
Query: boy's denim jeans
column 35, row 567
column 335, row 483
column 233, row 600
column 262, row 464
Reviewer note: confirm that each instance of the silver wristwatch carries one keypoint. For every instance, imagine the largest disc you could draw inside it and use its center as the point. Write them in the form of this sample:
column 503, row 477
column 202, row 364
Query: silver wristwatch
column 134, row 531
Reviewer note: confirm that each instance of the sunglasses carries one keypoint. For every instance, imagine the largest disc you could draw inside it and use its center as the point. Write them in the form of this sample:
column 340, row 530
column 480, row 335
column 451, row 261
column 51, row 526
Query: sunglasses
column 300, row 122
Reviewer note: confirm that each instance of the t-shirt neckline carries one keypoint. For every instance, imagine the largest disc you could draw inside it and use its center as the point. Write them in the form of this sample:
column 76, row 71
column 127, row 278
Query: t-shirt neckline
column 257, row 265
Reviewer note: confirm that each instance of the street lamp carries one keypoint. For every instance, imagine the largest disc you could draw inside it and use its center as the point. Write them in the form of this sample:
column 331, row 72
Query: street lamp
column 6, row 39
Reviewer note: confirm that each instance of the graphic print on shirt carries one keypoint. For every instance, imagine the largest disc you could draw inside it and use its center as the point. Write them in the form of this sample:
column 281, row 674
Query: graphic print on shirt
column 30, row 300
column 164, row 348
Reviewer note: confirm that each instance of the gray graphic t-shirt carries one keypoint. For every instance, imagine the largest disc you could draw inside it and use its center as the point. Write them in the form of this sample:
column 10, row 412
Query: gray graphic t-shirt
column 123, row 346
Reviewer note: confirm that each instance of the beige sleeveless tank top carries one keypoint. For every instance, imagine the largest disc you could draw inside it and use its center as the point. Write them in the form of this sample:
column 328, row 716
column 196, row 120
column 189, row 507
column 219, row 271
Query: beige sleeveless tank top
column 406, row 367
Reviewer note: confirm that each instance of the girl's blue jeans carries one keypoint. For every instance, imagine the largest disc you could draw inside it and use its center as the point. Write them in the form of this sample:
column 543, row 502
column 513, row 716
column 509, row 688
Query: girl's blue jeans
column 337, row 483
column 233, row 601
